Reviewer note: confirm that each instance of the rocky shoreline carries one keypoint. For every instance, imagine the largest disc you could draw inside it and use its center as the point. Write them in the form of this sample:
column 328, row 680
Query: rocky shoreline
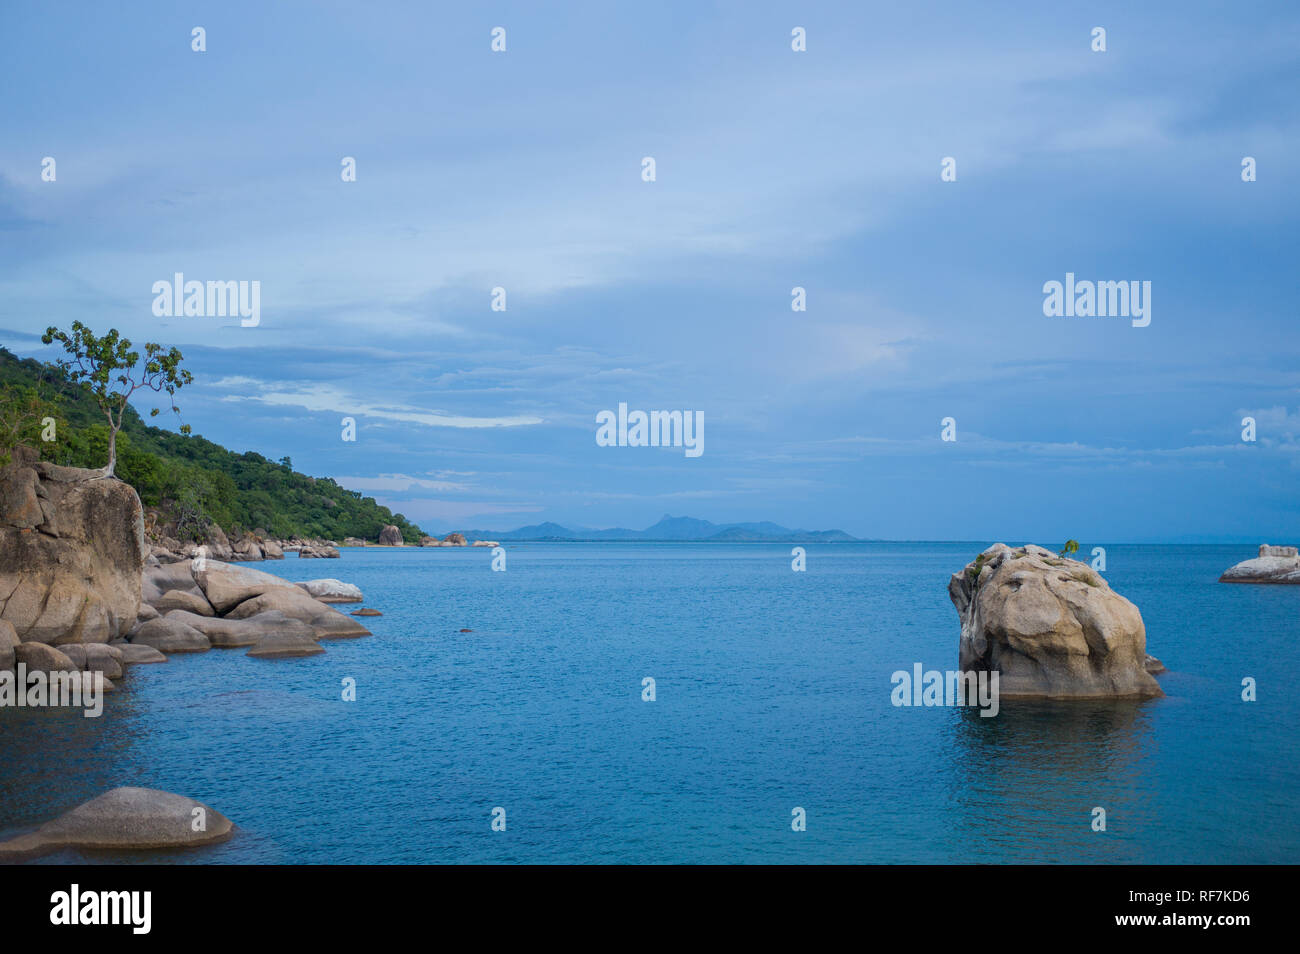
column 83, row 591
column 256, row 546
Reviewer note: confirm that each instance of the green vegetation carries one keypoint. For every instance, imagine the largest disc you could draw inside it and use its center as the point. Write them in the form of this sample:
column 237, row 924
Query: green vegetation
column 1071, row 546
column 189, row 480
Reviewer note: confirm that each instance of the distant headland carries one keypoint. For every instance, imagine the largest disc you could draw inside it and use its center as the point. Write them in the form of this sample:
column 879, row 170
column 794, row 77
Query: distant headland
column 670, row 529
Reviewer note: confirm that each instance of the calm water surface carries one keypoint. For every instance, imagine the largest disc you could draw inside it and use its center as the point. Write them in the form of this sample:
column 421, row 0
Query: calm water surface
column 773, row 692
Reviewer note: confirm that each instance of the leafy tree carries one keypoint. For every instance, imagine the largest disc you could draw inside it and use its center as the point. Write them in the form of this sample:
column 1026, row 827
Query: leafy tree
column 114, row 372
column 1071, row 546
column 23, row 418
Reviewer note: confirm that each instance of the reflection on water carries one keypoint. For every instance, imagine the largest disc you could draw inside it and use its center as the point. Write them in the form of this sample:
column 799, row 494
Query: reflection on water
column 1049, row 763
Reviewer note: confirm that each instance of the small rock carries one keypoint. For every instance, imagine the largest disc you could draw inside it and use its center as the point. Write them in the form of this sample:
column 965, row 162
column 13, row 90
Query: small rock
column 366, row 611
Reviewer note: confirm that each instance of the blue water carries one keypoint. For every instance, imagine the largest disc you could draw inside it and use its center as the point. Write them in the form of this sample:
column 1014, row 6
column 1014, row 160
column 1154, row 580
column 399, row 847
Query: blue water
column 773, row 691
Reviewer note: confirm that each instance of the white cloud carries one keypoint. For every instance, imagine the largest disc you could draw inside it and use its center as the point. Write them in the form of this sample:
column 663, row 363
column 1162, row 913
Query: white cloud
column 327, row 397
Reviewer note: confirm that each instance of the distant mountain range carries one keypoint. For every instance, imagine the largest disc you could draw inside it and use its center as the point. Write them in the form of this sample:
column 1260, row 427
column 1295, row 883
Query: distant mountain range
column 670, row 528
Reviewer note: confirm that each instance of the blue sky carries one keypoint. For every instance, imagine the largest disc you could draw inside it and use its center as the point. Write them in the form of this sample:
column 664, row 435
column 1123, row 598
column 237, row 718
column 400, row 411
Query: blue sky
column 775, row 169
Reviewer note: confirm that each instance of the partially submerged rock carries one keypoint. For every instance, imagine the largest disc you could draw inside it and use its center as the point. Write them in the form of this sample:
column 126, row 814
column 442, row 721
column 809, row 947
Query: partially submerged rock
column 171, row 636
column 95, row 657
column 134, row 654
column 283, row 644
column 327, row 622
column 332, row 591
column 318, row 553
column 1049, row 626
column 125, row 819
column 1273, row 565
column 366, row 611
column 238, row 633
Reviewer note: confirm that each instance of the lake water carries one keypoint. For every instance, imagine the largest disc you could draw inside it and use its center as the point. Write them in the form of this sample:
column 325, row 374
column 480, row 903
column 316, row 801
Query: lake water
column 773, row 692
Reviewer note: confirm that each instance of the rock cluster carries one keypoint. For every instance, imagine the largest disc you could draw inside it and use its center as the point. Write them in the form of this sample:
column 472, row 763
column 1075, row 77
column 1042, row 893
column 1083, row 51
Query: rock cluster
column 455, row 540
column 194, row 606
column 1273, row 565
column 246, row 548
column 1049, row 626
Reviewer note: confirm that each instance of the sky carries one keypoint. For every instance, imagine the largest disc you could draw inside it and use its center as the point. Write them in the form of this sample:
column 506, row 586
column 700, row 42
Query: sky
column 820, row 169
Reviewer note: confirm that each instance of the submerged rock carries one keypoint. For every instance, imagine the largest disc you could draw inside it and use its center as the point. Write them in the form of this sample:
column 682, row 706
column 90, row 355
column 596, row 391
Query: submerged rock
column 125, row 818
column 366, row 611
column 1050, row 627
column 1273, row 565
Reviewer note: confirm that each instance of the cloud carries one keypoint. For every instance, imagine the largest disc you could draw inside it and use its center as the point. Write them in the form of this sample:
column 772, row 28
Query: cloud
column 327, row 397
column 398, row 482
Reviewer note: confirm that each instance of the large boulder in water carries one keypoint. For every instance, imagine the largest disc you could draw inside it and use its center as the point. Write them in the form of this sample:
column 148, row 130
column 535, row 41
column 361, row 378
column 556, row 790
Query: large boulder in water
column 72, row 548
column 1049, row 626
column 1273, row 565
column 125, row 819
column 391, row 536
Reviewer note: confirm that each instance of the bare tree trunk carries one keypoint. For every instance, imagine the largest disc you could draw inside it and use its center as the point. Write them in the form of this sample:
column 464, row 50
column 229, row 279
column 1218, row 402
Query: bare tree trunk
column 112, row 452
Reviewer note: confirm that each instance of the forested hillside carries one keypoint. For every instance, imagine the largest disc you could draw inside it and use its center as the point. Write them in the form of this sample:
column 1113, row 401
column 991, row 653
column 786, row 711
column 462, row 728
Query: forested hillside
column 190, row 480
